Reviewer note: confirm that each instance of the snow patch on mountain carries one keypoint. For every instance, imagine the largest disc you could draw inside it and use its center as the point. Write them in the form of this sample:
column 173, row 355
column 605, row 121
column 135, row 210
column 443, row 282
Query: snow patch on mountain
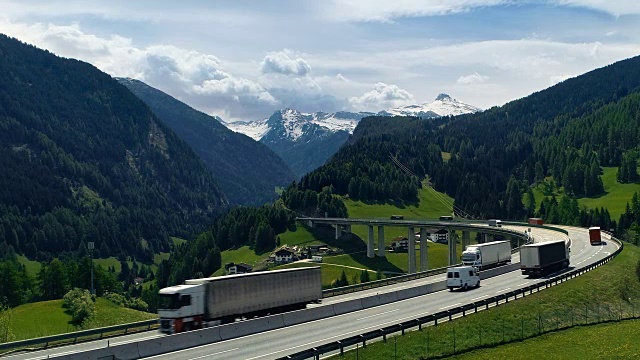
column 253, row 129
column 443, row 105
column 293, row 124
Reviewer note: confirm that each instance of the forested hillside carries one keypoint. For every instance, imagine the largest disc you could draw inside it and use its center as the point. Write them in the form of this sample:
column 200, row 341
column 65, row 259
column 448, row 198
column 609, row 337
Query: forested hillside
column 83, row 159
column 248, row 171
column 567, row 131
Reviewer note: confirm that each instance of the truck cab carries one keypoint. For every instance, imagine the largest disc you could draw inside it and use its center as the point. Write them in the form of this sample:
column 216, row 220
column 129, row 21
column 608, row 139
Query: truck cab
column 181, row 308
column 462, row 277
column 472, row 256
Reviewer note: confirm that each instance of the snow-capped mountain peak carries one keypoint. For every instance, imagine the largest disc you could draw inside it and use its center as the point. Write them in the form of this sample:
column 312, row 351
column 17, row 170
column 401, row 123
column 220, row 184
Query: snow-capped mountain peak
column 292, row 124
column 443, row 105
column 443, row 97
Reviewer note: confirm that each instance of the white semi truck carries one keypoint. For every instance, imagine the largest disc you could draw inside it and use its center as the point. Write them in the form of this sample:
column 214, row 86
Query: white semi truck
column 219, row 300
column 489, row 254
column 542, row 258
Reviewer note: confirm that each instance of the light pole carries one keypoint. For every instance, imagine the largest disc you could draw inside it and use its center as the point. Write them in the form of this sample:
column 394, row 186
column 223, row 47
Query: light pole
column 90, row 246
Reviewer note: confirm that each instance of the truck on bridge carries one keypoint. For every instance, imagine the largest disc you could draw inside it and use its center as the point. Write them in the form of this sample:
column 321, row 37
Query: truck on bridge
column 542, row 258
column 218, row 300
column 489, row 254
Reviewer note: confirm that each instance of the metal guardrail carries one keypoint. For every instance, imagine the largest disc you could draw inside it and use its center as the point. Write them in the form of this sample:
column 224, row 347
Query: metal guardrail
column 383, row 282
column 340, row 345
column 77, row 334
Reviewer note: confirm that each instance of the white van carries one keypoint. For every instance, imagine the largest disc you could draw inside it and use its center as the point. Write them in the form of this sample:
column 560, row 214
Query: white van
column 462, row 277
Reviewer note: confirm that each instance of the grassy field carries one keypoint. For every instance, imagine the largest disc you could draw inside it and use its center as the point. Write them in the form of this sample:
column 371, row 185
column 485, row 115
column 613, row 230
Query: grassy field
column 48, row 318
column 617, row 195
column 430, row 207
column 603, row 341
column 615, row 198
column 354, row 248
column 240, row 255
column 612, row 286
column 32, row 266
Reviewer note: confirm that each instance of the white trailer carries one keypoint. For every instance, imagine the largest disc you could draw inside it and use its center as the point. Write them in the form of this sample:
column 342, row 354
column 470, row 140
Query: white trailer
column 488, row 254
column 223, row 299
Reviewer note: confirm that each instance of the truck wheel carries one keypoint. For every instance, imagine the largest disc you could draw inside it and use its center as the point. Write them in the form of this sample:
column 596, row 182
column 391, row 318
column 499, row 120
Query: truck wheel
column 478, row 284
column 464, row 287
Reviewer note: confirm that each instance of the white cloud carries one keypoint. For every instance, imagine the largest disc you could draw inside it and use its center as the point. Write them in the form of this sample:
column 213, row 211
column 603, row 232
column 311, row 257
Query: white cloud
column 199, row 79
column 285, row 62
column 343, row 78
column 613, row 7
column 383, row 96
column 384, row 10
column 474, row 78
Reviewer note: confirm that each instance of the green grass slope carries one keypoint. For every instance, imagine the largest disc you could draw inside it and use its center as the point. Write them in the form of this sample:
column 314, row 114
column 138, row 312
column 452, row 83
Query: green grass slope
column 354, row 258
column 577, row 343
column 49, row 318
column 600, row 293
column 617, row 195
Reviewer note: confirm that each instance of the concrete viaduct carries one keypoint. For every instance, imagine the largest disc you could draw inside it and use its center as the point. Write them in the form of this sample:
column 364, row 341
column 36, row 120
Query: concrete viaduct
column 342, row 224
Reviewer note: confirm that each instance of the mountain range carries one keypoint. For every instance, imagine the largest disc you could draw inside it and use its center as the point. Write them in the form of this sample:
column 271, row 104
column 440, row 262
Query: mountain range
column 248, row 171
column 84, row 160
column 306, row 140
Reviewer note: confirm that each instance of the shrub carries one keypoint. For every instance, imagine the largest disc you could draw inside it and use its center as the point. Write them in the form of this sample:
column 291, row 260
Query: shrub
column 79, row 305
column 135, row 303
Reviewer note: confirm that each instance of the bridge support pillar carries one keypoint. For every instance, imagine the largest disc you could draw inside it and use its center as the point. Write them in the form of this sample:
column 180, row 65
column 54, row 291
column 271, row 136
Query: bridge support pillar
column 338, row 231
column 452, row 247
column 412, row 250
column 370, row 243
column 465, row 239
column 310, row 223
column 423, row 249
column 347, row 229
column 381, row 241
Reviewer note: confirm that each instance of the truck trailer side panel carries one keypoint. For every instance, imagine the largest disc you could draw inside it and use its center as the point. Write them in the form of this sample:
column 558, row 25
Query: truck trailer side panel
column 247, row 293
column 552, row 254
column 543, row 257
column 492, row 253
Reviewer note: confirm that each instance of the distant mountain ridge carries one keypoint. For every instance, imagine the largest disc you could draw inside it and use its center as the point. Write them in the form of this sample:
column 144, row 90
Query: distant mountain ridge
column 295, row 122
column 248, row 171
column 306, row 140
column 84, row 160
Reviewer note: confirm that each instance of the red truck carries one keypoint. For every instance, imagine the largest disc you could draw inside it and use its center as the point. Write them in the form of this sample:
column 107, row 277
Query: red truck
column 594, row 235
column 536, row 221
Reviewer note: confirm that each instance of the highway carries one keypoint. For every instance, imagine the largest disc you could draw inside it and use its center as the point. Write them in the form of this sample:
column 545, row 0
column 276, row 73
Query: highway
column 277, row 343
column 281, row 342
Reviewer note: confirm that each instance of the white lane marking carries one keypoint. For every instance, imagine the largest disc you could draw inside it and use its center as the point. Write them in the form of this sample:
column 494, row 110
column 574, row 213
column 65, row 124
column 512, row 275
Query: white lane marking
column 374, row 315
column 479, row 297
column 190, row 349
column 523, row 284
column 449, row 306
column 499, row 291
column 134, row 340
column 218, row 353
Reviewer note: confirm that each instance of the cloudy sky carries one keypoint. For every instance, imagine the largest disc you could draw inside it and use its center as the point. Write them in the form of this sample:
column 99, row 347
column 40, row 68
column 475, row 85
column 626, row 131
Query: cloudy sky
column 242, row 60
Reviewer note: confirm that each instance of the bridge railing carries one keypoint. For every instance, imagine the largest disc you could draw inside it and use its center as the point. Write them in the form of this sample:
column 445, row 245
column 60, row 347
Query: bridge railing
column 77, row 335
column 446, row 315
